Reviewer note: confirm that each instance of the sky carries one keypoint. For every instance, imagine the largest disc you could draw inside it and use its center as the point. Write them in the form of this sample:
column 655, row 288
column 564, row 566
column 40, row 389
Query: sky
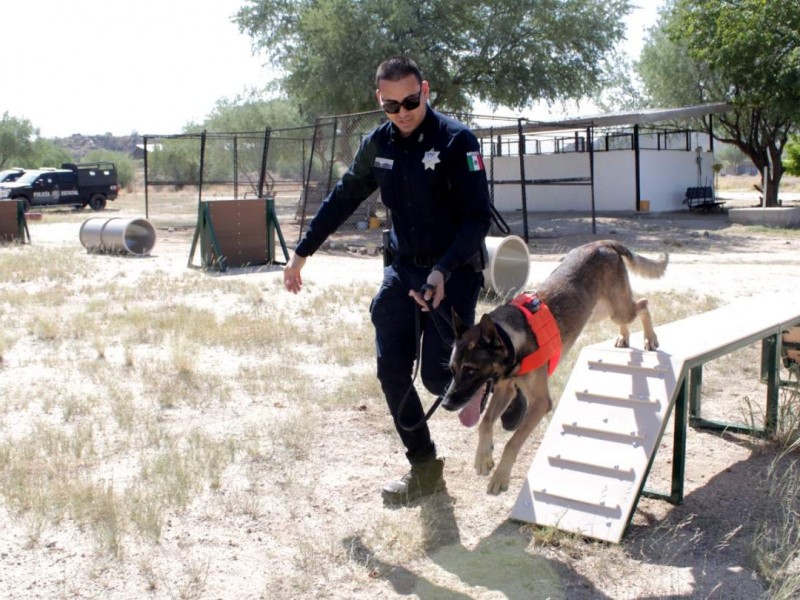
column 143, row 66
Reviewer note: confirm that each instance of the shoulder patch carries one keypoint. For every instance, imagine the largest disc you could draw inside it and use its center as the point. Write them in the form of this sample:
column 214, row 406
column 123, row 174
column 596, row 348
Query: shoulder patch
column 474, row 161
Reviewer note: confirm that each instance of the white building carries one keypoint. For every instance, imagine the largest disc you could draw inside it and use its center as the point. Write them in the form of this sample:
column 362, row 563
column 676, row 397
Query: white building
column 636, row 161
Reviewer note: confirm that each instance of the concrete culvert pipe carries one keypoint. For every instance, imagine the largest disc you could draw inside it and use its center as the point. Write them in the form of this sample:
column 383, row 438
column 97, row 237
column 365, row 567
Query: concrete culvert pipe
column 118, row 235
column 509, row 265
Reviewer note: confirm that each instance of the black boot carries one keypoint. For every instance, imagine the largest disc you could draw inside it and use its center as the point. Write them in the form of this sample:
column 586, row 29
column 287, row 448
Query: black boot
column 423, row 479
column 512, row 416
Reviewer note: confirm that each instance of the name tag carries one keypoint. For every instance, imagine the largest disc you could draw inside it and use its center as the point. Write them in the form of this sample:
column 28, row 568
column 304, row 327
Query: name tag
column 383, row 163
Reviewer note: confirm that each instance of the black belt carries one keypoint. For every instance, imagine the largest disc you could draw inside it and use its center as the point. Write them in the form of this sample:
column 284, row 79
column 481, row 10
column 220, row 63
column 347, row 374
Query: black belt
column 428, row 261
column 424, row 261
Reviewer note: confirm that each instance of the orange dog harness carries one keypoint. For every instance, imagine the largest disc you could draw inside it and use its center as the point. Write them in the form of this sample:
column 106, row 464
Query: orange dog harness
column 544, row 329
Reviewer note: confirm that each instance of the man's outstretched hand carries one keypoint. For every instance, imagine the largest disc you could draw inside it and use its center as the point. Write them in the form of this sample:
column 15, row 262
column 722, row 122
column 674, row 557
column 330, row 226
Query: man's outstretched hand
column 291, row 273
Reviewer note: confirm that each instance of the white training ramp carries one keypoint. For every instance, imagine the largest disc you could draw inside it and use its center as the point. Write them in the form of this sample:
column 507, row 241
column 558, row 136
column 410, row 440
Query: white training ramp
column 593, row 461
column 595, row 454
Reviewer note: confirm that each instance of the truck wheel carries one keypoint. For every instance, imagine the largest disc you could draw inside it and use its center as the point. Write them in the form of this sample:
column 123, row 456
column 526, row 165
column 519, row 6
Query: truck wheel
column 97, row 202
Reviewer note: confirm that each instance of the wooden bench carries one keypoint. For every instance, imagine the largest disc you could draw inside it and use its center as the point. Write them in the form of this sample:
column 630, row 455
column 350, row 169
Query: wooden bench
column 702, row 198
column 705, row 337
column 13, row 224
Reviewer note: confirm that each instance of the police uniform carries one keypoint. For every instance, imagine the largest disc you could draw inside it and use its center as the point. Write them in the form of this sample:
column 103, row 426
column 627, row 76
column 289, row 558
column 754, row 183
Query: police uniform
column 434, row 183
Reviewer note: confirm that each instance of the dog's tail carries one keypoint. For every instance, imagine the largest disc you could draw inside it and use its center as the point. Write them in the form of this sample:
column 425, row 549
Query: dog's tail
column 650, row 268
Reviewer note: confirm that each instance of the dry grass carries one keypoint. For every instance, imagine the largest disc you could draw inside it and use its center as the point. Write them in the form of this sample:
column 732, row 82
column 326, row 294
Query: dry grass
column 183, row 435
column 745, row 183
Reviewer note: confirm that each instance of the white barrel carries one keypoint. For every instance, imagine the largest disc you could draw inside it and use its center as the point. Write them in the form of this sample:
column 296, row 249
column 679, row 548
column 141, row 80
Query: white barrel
column 509, row 265
column 118, row 235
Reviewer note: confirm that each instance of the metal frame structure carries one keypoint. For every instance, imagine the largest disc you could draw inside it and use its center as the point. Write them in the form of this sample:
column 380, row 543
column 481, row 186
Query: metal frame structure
column 229, row 236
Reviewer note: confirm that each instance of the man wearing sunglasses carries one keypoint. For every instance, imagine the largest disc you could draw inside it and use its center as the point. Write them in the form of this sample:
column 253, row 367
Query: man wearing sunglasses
column 430, row 174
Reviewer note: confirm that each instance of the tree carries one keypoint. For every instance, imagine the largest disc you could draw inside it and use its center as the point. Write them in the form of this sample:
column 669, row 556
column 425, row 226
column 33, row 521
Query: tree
column 791, row 161
column 16, row 141
column 506, row 52
column 252, row 113
column 746, row 52
column 45, row 153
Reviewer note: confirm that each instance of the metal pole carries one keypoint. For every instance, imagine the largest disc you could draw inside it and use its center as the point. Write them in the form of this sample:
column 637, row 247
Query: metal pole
column 491, row 165
column 590, row 139
column 146, row 197
column 235, row 167
column 202, row 167
column 262, row 176
column 637, row 167
column 522, row 179
column 307, row 175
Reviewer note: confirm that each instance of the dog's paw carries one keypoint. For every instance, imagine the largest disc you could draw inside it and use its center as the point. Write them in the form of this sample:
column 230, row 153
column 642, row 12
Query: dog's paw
column 621, row 342
column 499, row 482
column 651, row 343
column 484, row 463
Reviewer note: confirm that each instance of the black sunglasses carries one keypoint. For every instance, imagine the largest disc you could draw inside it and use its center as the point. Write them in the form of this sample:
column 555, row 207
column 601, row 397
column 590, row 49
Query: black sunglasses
column 411, row 102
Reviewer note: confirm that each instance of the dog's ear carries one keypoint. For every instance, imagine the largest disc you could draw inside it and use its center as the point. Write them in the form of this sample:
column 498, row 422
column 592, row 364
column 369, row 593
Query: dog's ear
column 488, row 330
column 459, row 327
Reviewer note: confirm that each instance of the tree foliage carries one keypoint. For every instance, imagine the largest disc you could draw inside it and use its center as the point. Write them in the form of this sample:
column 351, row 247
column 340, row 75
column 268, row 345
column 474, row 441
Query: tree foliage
column 252, row 114
column 506, row 52
column 791, row 161
column 16, row 141
column 45, row 153
column 746, row 52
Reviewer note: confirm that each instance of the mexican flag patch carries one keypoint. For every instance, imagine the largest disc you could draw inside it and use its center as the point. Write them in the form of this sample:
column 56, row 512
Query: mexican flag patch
column 474, row 161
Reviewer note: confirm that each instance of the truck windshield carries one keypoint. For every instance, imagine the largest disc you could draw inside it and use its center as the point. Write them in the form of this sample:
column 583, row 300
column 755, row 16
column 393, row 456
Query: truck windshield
column 29, row 176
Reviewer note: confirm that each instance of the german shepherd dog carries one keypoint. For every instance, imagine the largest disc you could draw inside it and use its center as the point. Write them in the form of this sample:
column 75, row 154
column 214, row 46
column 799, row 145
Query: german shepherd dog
column 487, row 356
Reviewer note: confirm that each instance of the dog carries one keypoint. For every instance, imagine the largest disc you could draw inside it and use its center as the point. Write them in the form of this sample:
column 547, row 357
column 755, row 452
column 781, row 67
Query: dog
column 488, row 356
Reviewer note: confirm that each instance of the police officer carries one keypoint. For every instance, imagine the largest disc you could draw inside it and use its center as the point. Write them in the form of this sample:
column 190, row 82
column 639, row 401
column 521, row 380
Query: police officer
column 430, row 173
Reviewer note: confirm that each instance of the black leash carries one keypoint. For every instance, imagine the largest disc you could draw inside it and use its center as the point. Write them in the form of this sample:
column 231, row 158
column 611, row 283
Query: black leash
column 436, row 313
column 499, row 221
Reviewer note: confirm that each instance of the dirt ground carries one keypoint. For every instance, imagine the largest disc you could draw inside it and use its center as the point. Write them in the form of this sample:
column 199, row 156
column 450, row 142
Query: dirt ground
column 470, row 548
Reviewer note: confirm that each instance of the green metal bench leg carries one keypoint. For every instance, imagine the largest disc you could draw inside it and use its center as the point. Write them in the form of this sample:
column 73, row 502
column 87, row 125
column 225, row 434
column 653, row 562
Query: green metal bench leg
column 679, row 446
column 678, row 451
column 695, row 393
column 769, row 351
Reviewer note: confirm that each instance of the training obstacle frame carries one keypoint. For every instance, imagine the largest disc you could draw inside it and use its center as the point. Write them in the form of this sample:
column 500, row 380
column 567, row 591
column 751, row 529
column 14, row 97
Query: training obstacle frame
column 595, row 457
column 13, row 224
column 237, row 233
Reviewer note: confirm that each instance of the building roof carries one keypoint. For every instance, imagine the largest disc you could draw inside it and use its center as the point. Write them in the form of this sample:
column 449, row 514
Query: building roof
column 638, row 117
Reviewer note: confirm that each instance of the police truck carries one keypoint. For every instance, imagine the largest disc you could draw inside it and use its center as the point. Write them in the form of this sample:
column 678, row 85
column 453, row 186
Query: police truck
column 75, row 184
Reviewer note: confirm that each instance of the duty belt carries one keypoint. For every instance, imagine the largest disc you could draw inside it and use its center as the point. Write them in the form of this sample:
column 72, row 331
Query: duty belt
column 424, row 261
column 428, row 261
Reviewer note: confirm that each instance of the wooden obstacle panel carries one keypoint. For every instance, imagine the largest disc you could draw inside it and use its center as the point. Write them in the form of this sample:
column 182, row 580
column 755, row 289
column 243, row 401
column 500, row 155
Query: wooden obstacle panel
column 237, row 233
column 13, row 225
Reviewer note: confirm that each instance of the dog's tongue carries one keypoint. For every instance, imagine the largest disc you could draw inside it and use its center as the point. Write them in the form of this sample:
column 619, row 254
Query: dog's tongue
column 471, row 411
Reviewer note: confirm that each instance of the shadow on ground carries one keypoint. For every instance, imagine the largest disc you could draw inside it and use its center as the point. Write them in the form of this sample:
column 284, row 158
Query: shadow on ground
column 499, row 562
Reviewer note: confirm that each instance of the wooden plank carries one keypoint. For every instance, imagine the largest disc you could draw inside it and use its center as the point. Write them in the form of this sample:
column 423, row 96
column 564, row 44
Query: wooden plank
column 701, row 337
column 241, row 230
column 593, row 458
column 9, row 226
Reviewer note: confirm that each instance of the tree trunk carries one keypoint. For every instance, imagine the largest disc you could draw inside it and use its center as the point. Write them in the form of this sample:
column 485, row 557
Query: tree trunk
column 773, row 184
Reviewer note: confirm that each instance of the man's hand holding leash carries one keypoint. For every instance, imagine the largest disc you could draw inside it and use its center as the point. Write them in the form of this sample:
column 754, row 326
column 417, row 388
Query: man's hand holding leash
column 433, row 289
column 291, row 273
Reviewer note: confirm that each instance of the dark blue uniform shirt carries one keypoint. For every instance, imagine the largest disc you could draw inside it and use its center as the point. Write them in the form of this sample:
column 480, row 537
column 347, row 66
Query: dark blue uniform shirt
column 434, row 183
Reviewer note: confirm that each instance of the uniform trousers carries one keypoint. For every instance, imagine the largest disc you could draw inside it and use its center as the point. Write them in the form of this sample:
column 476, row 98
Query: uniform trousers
column 393, row 315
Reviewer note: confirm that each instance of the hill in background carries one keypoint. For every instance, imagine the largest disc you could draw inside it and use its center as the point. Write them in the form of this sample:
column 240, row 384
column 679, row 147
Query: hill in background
column 79, row 145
